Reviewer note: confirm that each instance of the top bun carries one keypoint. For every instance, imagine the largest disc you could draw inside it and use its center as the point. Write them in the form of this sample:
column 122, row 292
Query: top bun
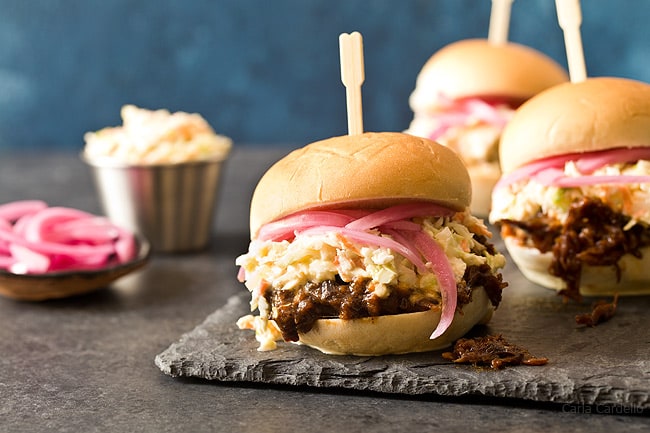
column 477, row 68
column 369, row 170
column 591, row 115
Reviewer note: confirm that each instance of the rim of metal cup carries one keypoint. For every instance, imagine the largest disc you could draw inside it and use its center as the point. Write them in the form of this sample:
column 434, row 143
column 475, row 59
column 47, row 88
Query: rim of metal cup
column 116, row 163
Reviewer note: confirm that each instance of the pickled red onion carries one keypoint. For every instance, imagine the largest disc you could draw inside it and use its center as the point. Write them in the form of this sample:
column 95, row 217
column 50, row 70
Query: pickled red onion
column 284, row 229
column 531, row 169
column 400, row 225
column 459, row 112
column 593, row 161
column 57, row 248
column 399, row 212
column 94, row 230
column 125, row 247
column 570, row 181
column 43, row 222
column 549, row 176
column 13, row 210
column 547, row 170
column 437, row 259
column 35, row 238
column 446, row 121
column 28, row 261
column 486, row 112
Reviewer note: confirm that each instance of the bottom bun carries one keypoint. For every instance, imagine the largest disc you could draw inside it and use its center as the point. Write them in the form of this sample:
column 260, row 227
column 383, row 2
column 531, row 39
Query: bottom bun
column 484, row 177
column 594, row 281
column 396, row 334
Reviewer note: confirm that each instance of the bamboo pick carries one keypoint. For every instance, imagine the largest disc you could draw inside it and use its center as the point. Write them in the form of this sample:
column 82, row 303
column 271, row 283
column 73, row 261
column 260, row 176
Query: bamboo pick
column 499, row 21
column 569, row 17
column 352, row 76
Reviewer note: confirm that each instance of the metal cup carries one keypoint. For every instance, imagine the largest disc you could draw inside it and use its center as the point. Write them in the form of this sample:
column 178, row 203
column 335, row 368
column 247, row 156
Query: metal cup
column 171, row 205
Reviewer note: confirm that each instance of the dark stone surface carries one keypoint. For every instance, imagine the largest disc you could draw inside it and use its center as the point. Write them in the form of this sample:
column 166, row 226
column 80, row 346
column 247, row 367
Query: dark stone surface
column 605, row 365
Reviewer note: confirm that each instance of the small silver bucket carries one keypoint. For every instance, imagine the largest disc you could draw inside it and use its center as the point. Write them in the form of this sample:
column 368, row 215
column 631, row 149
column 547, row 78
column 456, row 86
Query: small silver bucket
column 171, row 205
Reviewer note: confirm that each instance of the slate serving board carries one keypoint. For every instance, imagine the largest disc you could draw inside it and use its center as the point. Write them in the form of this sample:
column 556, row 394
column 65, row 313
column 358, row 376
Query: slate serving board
column 605, row 365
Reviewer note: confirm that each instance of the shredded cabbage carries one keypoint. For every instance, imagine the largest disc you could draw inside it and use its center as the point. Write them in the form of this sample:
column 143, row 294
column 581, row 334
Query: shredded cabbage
column 526, row 197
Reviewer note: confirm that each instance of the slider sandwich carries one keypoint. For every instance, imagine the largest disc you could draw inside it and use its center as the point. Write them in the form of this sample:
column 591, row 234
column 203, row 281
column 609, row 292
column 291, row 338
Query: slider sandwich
column 467, row 92
column 364, row 244
column 573, row 203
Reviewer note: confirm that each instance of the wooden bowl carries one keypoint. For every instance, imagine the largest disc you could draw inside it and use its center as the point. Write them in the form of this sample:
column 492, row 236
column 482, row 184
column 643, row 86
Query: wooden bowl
column 55, row 285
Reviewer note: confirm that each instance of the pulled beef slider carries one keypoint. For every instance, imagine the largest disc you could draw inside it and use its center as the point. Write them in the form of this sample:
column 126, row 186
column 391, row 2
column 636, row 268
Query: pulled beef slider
column 467, row 91
column 364, row 244
column 573, row 203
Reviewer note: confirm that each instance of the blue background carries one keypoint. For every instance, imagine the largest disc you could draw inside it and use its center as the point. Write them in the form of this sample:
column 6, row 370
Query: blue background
column 262, row 72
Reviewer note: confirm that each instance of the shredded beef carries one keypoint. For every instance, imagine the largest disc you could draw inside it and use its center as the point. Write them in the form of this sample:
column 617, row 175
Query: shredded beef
column 601, row 312
column 593, row 234
column 297, row 311
column 481, row 276
column 541, row 230
column 493, row 351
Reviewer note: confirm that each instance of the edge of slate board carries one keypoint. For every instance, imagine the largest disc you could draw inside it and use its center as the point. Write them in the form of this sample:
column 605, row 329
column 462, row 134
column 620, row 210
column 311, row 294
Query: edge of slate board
column 218, row 350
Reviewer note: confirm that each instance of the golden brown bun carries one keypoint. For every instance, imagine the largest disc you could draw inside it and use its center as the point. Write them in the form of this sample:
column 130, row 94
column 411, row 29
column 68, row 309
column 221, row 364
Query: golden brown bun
column 369, row 170
column 595, row 114
column 401, row 333
column 594, row 281
column 474, row 67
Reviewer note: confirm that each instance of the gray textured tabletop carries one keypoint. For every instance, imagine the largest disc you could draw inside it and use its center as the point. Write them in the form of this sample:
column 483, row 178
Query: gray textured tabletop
column 87, row 363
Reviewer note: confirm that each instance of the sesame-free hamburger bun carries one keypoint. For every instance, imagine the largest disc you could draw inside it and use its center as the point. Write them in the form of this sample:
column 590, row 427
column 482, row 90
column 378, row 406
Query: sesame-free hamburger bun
column 368, row 170
column 478, row 68
column 364, row 244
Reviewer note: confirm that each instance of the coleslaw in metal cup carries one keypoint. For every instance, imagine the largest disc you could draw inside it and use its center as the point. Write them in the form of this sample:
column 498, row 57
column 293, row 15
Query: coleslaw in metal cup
column 158, row 175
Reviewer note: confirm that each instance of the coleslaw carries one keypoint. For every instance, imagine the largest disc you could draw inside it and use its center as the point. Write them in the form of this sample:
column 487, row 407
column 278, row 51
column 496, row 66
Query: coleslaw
column 157, row 137
column 550, row 186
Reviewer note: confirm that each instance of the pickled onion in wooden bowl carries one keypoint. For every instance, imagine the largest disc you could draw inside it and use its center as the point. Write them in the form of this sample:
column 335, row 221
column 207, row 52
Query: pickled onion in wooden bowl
column 56, row 252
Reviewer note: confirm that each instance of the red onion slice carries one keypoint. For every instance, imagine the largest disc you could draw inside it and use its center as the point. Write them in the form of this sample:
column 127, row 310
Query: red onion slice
column 459, row 112
column 399, row 212
column 589, row 162
column 13, row 210
column 55, row 248
column 284, row 229
column 585, row 163
column 437, row 259
column 570, row 181
column 28, row 261
column 43, row 222
column 35, row 238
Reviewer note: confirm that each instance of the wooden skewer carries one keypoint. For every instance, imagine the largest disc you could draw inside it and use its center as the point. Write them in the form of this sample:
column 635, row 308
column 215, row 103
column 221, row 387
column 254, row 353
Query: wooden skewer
column 569, row 17
column 352, row 76
column 499, row 21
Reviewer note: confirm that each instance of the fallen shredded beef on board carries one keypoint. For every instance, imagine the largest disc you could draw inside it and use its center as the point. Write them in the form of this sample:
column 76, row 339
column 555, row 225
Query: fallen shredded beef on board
column 593, row 234
column 492, row 351
column 297, row 311
column 602, row 311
